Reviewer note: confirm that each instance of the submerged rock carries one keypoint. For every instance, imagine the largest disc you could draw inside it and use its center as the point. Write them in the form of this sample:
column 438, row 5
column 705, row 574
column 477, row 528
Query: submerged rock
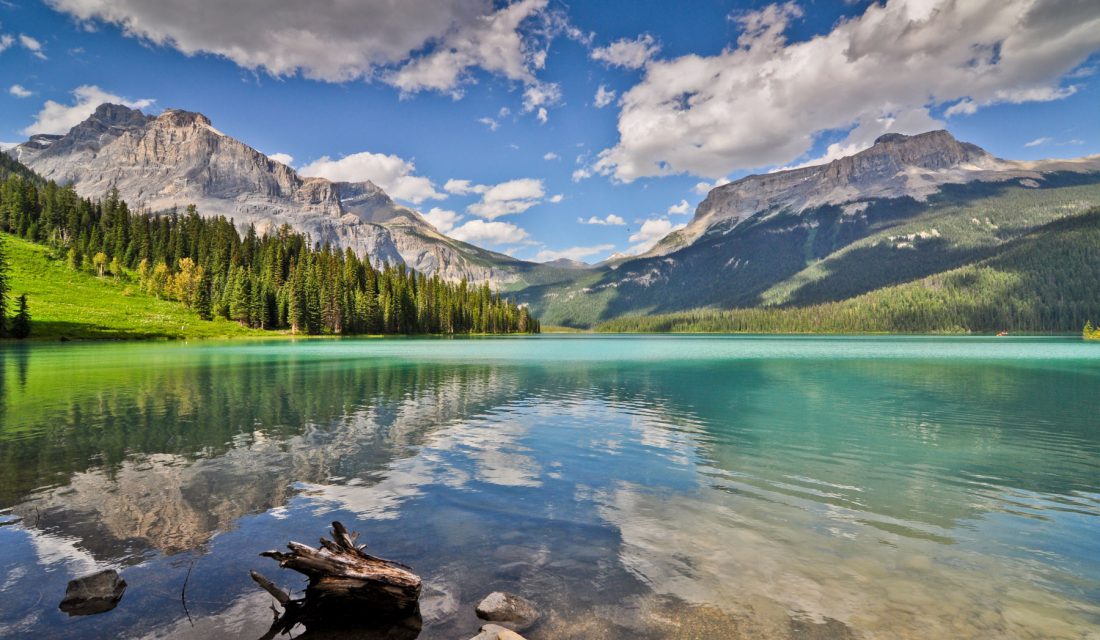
column 496, row 632
column 92, row 594
column 507, row 608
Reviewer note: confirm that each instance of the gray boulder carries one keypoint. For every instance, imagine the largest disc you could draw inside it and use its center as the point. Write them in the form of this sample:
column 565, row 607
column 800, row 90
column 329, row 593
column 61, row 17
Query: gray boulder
column 508, row 609
column 496, row 632
column 94, row 593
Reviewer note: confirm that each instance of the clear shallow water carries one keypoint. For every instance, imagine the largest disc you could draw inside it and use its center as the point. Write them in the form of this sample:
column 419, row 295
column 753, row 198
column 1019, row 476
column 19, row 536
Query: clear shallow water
column 711, row 487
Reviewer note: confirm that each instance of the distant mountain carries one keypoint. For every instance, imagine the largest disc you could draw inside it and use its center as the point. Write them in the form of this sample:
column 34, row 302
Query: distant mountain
column 178, row 158
column 907, row 207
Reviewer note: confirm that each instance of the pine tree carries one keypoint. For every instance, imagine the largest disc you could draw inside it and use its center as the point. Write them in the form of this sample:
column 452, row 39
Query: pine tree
column 202, row 299
column 21, row 323
column 240, row 301
column 3, row 287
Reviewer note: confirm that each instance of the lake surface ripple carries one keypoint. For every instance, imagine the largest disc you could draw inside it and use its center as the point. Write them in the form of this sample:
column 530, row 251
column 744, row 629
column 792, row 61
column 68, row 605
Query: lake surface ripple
column 631, row 486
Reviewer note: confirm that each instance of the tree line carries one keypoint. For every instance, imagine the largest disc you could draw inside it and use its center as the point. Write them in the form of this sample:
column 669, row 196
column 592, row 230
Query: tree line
column 277, row 280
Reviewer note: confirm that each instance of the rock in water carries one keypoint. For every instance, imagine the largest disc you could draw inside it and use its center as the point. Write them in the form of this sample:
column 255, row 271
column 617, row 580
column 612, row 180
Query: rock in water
column 95, row 593
column 496, row 632
column 507, row 608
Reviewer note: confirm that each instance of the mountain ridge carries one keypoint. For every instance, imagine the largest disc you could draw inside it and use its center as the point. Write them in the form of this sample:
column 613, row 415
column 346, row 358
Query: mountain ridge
column 179, row 158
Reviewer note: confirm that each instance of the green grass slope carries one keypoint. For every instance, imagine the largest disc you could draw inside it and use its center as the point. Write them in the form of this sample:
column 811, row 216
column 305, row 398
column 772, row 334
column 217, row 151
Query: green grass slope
column 1048, row 279
column 77, row 305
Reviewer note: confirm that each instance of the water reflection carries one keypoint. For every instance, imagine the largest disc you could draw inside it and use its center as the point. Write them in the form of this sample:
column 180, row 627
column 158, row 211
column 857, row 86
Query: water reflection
column 720, row 497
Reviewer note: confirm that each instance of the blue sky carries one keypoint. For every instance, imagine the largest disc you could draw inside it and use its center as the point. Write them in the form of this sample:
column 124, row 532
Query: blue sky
column 490, row 118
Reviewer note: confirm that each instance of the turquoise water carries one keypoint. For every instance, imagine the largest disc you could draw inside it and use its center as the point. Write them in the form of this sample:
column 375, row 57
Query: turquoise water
column 631, row 486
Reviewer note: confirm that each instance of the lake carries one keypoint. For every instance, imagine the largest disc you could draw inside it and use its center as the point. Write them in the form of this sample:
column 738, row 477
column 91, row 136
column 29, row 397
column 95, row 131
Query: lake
column 630, row 486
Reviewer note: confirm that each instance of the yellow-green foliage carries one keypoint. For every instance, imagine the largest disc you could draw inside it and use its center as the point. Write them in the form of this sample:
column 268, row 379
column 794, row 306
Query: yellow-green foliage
column 80, row 305
column 1090, row 332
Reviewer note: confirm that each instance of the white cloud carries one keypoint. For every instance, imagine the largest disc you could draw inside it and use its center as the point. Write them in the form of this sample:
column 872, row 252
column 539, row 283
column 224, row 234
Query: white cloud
column 32, row 45
column 492, row 42
column 540, row 95
column 284, row 158
column 703, row 188
column 581, row 174
column 556, row 198
column 6, row 41
column 543, row 116
column 4, row 146
column 494, row 233
column 390, row 172
column 764, row 101
column 58, row 118
column 629, row 54
column 19, row 91
column 604, row 97
column 462, row 187
column 489, row 122
column 549, row 155
column 652, row 230
column 1038, row 142
column 442, row 219
column 572, row 253
column 506, row 198
column 679, row 209
column 610, row 220
column 414, row 45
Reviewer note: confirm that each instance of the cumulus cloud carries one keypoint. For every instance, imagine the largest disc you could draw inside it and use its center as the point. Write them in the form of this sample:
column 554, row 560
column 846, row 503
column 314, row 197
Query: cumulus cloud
column 284, row 158
column 572, row 253
column 626, row 53
column 489, row 122
column 703, row 188
column 609, row 220
column 1038, row 142
column 492, row 42
column 392, row 173
column 461, row 187
column 652, row 230
column 57, row 118
column 679, row 209
column 556, row 198
column 6, row 41
column 414, row 45
column 764, row 101
column 494, row 233
column 442, row 219
column 19, row 91
column 604, row 97
column 506, row 198
column 549, row 155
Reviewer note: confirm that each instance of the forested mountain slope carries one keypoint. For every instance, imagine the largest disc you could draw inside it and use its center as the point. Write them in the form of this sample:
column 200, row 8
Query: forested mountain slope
column 1046, row 280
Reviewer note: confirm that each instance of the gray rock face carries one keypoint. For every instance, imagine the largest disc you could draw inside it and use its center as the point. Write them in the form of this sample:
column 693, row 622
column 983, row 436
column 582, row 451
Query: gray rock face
column 92, row 594
column 179, row 158
column 509, row 609
column 896, row 166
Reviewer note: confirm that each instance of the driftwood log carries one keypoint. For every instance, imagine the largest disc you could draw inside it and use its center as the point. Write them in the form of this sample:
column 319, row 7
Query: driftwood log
column 346, row 586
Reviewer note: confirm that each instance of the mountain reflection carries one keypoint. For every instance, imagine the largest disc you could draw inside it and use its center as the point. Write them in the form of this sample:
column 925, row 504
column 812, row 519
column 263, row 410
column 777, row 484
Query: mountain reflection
column 660, row 480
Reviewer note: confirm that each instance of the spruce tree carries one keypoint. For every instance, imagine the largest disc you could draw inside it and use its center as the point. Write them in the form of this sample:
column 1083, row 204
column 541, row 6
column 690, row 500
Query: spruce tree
column 3, row 287
column 21, row 323
column 202, row 299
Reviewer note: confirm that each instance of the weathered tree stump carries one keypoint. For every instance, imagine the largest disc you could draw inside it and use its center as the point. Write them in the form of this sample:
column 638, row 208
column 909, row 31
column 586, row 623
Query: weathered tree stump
column 347, row 585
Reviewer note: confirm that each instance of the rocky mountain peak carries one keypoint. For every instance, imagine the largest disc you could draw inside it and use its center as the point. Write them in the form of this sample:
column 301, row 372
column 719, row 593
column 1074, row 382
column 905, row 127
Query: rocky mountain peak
column 181, row 118
column 896, row 165
column 178, row 158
